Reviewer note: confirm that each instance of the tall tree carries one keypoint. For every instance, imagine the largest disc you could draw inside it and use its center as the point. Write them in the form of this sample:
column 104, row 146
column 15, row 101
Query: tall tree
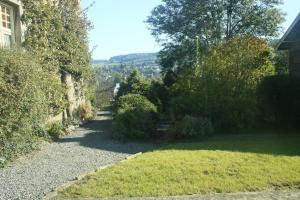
column 182, row 24
column 214, row 20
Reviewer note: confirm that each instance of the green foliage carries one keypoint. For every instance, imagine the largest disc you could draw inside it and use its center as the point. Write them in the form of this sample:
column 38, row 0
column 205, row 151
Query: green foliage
column 194, row 127
column 24, row 102
column 135, row 117
column 158, row 95
column 55, row 130
column 223, row 88
column 212, row 21
column 134, row 84
column 30, row 83
column 85, row 111
column 281, row 62
column 180, row 24
column 57, row 33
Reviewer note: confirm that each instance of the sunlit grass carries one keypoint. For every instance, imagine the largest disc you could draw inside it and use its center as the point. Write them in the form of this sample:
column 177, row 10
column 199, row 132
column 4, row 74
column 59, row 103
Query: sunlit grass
column 219, row 165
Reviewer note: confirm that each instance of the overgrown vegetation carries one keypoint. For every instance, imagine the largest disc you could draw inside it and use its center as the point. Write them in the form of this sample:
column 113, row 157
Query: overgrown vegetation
column 135, row 117
column 213, row 65
column 31, row 85
column 24, row 102
column 223, row 89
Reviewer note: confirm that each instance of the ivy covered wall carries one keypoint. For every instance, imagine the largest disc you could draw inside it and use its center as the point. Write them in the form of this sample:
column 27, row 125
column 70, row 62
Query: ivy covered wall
column 56, row 32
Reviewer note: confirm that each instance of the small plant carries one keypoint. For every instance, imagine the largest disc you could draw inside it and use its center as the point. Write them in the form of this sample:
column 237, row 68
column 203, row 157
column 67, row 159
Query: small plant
column 55, row 130
column 85, row 112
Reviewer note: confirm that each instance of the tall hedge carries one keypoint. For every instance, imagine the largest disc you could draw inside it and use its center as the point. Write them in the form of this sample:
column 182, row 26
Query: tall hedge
column 222, row 87
column 24, row 102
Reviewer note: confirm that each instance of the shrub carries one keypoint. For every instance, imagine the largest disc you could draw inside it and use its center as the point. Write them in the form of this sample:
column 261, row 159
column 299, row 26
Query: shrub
column 196, row 127
column 223, row 88
column 135, row 117
column 24, row 102
column 85, row 111
column 55, row 130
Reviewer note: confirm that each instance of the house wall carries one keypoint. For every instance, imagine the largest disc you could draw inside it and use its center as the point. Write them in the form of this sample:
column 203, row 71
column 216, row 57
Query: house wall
column 19, row 29
column 294, row 62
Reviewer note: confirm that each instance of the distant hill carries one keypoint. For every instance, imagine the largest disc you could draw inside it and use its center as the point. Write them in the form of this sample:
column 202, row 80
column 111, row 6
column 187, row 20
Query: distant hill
column 146, row 63
column 96, row 62
column 135, row 57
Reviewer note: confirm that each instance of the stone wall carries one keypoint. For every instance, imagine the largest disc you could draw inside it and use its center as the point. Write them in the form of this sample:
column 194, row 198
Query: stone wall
column 75, row 96
column 75, row 93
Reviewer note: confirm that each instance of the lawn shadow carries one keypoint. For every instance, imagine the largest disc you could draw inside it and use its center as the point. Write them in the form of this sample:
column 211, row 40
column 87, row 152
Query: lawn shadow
column 263, row 143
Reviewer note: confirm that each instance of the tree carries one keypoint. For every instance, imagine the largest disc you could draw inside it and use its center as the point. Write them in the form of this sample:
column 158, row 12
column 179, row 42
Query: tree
column 223, row 88
column 214, row 20
column 135, row 84
column 181, row 24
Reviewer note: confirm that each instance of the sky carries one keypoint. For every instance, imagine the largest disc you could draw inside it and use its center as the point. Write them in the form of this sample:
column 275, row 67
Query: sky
column 120, row 28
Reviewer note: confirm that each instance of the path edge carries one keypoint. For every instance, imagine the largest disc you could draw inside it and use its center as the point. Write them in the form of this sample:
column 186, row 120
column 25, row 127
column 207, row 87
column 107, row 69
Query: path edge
column 54, row 193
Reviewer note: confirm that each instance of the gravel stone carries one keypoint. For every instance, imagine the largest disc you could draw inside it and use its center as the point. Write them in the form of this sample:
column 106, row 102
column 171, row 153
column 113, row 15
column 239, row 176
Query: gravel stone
column 34, row 176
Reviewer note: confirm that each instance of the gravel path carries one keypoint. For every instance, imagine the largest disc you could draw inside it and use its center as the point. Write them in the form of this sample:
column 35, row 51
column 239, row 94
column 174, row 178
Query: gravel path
column 89, row 148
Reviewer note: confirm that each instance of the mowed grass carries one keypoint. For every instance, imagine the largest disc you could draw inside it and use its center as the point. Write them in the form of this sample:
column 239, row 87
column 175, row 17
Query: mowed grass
column 222, row 164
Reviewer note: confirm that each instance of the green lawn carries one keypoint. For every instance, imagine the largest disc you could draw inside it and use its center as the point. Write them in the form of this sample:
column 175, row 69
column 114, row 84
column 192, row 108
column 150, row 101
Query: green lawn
column 219, row 165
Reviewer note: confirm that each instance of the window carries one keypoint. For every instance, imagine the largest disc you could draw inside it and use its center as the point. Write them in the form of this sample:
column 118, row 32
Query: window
column 6, row 26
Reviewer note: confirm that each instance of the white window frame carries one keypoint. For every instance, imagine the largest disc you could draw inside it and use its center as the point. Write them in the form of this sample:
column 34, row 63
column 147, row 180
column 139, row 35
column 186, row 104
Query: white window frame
column 7, row 31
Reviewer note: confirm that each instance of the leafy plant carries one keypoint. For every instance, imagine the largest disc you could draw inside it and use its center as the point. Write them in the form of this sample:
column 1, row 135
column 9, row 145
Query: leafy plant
column 223, row 88
column 24, row 101
column 134, row 84
column 55, row 130
column 198, row 127
column 85, row 111
column 135, row 117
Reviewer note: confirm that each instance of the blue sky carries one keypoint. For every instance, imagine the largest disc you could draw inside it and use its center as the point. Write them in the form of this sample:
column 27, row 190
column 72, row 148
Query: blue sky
column 119, row 26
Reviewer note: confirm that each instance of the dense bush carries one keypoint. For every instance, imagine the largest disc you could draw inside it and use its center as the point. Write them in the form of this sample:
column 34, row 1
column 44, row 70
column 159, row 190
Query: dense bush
column 135, row 117
column 279, row 101
column 55, row 130
column 85, row 111
column 24, row 102
column 193, row 127
column 223, row 88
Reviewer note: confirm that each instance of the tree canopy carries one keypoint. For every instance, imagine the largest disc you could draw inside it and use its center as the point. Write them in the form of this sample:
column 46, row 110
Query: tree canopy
column 214, row 20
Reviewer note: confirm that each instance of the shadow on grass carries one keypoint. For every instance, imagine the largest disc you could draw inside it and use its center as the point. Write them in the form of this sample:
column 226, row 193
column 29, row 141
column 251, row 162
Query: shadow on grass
column 271, row 143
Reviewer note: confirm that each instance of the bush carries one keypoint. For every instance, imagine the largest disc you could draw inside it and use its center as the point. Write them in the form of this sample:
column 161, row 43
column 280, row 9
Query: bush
column 135, row 117
column 28, row 96
column 223, row 88
column 191, row 127
column 196, row 127
column 23, row 102
column 85, row 111
column 55, row 130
